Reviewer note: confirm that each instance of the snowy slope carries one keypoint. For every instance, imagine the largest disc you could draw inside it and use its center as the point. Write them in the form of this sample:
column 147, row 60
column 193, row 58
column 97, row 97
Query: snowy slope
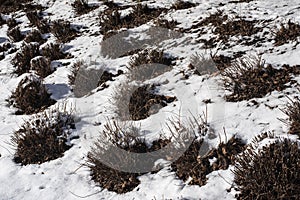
column 67, row 178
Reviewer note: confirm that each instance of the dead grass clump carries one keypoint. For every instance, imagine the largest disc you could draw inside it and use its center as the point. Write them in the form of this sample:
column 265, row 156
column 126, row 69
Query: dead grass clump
column 34, row 36
column 288, row 32
column 192, row 165
column 43, row 138
column 53, row 52
column 249, row 78
column 180, row 5
column 271, row 173
column 42, row 66
column 116, row 160
column 30, row 96
column 111, row 19
column 22, row 59
column 292, row 110
column 63, row 31
column 15, row 34
column 168, row 24
column 82, row 7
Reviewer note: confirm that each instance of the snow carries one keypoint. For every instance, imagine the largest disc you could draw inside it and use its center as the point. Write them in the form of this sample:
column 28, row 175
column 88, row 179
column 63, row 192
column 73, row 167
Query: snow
column 67, row 179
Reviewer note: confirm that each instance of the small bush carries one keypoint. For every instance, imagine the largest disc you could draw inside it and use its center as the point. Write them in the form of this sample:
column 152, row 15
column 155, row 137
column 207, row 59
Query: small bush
column 43, row 138
column 84, row 80
column 11, row 23
column 111, row 19
column 34, row 36
column 288, row 32
column 271, row 173
column 42, row 66
column 118, row 170
column 248, row 78
column 53, row 52
column 62, row 31
column 292, row 110
column 8, row 7
column 22, row 59
column 34, row 18
column 179, row 5
column 138, row 102
column 195, row 166
column 82, row 7
column 30, row 96
column 15, row 34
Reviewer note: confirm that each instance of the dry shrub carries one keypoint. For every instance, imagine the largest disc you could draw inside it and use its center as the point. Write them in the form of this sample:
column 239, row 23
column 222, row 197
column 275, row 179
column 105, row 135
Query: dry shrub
column 10, row 6
column 148, row 64
column 11, row 23
column 62, row 31
column 215, row 19
column 248, row 78
column 2, row 21
column 82, row 7
column 237, row 26
column 286, row 33
column 5, row 46
column 31, row 96
column 111, row 19
column 106, row 164
column 54, row 52
column 34, row 36
column 195, row 166
column 292, row 110
column 271, row 173
column 15, row 34
column 42, row 66
column 180, row 5
column 43, row 138
column 84, row 80
column 22, row 59
column 138, row 102
column 168, row 24
column 34, row 18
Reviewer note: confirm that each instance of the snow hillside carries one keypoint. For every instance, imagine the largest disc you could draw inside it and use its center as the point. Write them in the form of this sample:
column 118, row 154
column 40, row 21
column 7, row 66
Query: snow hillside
column 146, row 64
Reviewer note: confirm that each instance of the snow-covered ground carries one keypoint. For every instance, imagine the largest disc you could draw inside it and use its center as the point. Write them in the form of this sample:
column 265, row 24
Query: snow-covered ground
column 66, row 177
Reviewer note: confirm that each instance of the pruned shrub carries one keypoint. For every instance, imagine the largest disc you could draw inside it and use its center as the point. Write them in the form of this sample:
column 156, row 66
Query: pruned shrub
column 287, row 32
column 53, row 52
column 272, row 172
column 248, row 78
column 42, row 66
column 22, row 59
column 82, row 7
column 44, row 137
column 118, row 170
column 138, row 102
column 62, row 31
column 292, row 110
column 15, row 34
column 30, row 96
column 34, row 36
